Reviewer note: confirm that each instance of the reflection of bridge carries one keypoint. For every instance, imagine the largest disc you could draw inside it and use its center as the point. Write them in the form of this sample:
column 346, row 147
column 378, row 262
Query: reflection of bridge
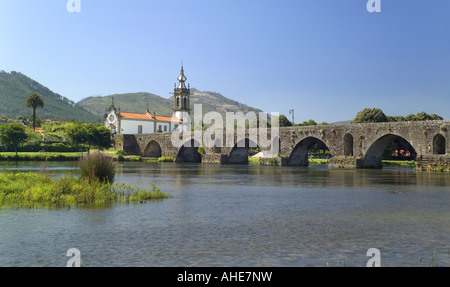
column 351, row 145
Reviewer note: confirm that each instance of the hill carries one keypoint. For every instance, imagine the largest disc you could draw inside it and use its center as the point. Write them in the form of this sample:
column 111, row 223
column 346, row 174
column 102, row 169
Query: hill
column 16, row 87
column 137, row 103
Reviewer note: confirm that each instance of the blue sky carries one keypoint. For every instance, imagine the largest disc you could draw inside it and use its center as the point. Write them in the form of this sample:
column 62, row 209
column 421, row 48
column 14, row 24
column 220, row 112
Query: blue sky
column 326, row 59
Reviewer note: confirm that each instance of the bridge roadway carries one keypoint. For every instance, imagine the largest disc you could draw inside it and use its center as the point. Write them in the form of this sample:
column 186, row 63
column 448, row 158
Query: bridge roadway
column 351, row 145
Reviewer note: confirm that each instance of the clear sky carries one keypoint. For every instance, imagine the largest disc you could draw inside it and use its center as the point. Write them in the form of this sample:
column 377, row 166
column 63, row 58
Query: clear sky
column 326, row 59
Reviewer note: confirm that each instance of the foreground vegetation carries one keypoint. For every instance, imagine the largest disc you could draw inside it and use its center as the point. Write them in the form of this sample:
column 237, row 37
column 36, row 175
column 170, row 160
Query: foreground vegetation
column 74, row 156
column 37, row 190
column 93, row 187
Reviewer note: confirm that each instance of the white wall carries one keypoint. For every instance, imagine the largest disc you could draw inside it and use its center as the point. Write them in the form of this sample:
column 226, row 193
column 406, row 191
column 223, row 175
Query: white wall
column 131, row 126
column 163, row 124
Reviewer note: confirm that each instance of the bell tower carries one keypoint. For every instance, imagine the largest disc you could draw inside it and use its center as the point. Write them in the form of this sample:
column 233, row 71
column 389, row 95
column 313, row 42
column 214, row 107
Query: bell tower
column 182, row 98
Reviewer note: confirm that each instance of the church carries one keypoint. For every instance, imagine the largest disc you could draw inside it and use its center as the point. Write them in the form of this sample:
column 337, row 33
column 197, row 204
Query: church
column 121, row 123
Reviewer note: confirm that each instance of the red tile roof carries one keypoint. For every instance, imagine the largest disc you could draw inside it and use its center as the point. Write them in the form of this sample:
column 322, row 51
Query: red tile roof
column 147, row 116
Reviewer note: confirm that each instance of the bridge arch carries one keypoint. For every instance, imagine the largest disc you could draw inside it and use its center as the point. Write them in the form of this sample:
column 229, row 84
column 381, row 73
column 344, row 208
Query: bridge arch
column 239, row 153
column 153, row 149
column 439, row 144
column 189, row 152
column 373, row 156
column 299, row 155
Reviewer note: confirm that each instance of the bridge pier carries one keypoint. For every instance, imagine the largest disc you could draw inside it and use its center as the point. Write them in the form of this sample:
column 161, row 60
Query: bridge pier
column 348, row 162
column 351, row 146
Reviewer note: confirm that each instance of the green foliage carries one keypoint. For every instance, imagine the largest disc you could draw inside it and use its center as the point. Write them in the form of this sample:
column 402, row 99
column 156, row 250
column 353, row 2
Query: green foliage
column 12, row 135
column 165, row 159
column 418, row 117
column 76, row 133
column 41, row 156
column 127, row 193
column 282, row 121
column 34, row 101
column 98, row 135
column 97, row 166
column 368, row 115
column 35, row 190
column 308, row 123
column 376, row 115
column 201, row 150
column 16, row 87
column 134, row 102
column 253, row 160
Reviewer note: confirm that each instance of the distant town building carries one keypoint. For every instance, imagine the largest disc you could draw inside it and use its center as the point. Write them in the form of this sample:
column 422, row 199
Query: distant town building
column 149, row 123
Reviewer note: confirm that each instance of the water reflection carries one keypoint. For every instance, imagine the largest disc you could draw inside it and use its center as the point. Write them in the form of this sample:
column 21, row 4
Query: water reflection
column 243, row 216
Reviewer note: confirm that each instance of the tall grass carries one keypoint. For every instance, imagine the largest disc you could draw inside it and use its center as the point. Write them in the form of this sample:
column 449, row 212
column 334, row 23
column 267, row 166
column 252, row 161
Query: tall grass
column 96, row 166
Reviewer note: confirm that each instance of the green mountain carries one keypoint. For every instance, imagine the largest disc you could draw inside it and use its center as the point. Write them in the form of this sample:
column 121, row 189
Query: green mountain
column 137, row 103
column 131, row 103
column 16, row 87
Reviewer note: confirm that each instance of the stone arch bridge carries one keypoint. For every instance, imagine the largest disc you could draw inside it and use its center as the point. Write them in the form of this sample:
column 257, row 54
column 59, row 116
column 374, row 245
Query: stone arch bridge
column 350, row 145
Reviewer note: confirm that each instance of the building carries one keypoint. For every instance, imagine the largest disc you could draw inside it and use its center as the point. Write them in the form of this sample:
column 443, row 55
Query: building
column 147, row 123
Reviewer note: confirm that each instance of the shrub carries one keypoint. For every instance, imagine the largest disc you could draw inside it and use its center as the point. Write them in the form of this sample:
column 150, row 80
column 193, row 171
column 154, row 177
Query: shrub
column 165, row 159
column 201, row 150
column 120, row 155
column 96, row 166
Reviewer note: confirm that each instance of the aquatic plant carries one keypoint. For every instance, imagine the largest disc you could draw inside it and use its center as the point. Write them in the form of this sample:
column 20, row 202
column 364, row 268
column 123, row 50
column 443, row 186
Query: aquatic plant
column 165, row 159
column 36, row 190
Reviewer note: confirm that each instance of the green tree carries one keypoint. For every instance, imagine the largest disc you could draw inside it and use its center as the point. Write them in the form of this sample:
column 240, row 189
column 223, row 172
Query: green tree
column 34, row 101
column 98, row 135
column 76, row 133
column 418, row 117
column 368, row 115
column 283, row 121
column 12, row 135
column 308, row 123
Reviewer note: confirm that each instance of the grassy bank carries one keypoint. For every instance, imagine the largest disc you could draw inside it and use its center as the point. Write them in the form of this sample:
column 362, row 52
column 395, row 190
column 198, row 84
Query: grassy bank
column 318, row 161
column 40, row 156
column 399, row 162
column 73, row 156
column 36, row 190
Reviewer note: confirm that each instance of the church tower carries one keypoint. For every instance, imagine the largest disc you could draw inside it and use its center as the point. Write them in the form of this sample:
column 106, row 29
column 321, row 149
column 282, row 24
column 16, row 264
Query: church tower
column 182, row 98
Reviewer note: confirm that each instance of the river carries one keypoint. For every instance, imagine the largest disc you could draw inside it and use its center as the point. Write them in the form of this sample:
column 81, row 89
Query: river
column 230, row 215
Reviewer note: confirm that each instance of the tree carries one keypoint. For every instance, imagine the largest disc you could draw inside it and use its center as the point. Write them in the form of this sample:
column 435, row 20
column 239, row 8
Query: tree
column 418, row 117
column 34, row 101
column 308, row 123
column 76, row 133
column 12, row 135
column 98, row 135
column 283, row 121
column 368, row 115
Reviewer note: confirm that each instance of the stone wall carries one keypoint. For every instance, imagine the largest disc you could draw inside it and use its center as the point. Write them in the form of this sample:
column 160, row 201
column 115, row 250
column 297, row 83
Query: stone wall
column 433, row 163
column 351, row 145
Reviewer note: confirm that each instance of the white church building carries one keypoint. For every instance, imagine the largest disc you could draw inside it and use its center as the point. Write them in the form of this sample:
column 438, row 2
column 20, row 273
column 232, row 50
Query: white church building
column 121, row 123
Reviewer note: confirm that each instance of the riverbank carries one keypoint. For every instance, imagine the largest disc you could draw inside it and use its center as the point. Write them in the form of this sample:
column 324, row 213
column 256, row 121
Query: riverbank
column 73, row 156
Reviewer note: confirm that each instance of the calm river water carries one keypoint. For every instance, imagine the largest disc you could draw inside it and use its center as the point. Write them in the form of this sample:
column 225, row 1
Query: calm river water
column 243, row 216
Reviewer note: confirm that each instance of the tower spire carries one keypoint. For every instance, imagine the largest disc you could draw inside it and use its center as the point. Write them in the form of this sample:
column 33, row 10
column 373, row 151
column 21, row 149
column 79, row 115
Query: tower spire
column 181, row 79
column 181, row 97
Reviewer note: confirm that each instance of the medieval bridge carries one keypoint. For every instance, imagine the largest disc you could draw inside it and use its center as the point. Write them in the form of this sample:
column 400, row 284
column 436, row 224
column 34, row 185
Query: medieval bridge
column 351, row 145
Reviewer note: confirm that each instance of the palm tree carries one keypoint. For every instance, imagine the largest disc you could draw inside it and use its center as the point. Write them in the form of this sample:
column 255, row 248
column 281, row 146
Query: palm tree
column 34, row 101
